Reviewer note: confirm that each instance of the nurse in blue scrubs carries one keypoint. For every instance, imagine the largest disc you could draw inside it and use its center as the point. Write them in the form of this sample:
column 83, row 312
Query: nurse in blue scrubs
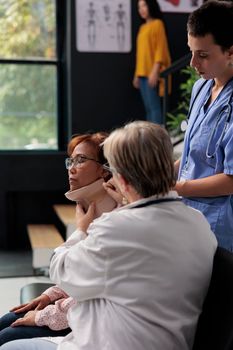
column 205, row 170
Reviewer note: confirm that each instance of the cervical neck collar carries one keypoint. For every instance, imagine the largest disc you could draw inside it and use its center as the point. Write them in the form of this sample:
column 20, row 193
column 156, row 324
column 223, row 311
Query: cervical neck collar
column 96, row 193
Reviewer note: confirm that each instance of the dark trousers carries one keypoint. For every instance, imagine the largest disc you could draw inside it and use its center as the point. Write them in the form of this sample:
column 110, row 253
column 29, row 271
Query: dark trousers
column 8, row 333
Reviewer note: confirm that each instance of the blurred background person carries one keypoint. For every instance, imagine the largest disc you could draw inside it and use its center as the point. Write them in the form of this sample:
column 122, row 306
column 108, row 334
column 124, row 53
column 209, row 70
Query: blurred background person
column 152, row 57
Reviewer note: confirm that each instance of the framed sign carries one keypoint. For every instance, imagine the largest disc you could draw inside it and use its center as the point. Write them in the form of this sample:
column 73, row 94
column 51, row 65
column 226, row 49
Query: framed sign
column 179, row 5
column 103, row 25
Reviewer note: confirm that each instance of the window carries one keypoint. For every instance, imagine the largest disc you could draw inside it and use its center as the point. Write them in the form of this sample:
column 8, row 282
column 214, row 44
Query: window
column 28, row 75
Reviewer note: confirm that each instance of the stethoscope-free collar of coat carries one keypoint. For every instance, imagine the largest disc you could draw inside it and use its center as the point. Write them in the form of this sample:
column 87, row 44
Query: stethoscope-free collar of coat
column 156, row 201
column 227, row 109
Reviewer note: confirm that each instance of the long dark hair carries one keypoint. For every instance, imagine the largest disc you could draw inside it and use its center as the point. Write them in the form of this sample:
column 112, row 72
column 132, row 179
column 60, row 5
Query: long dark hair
column 154, row 9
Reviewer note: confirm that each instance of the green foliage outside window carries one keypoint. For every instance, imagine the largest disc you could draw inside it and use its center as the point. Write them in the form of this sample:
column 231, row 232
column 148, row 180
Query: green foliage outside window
column 27, row 29
column 28, row 106
column 28, row 92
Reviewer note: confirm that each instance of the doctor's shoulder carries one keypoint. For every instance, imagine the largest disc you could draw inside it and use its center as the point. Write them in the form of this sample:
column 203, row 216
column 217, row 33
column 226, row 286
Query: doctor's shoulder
column 110, row 221
column 107, row 218
column 200, row 222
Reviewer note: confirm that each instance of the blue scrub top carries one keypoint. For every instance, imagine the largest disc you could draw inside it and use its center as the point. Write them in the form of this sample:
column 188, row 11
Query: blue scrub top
column 208, row 150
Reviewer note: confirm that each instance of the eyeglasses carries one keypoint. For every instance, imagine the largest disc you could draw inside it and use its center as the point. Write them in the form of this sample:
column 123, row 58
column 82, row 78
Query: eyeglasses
column 108, row 168
column 77, row 161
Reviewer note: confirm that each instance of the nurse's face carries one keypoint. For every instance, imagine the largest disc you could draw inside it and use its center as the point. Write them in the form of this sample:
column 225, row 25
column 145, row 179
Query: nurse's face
column 86, row 172
column 208, row 58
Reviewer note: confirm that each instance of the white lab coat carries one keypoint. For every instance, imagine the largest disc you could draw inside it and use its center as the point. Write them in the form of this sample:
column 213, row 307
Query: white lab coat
column 140, row 278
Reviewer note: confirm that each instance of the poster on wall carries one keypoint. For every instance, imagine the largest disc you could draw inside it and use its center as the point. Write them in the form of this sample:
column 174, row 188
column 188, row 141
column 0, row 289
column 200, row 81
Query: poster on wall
column 179, row 5
column 103, row 25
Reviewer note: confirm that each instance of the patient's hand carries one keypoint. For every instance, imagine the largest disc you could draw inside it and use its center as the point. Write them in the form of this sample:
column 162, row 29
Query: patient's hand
column 83, row 219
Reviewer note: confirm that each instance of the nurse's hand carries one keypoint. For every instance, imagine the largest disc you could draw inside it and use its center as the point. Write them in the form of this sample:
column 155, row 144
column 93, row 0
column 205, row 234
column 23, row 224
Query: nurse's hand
column 83, row 219
column 179, row 187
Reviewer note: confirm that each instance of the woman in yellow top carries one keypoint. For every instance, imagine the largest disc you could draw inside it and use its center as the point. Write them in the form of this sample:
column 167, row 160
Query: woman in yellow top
column 152, row 57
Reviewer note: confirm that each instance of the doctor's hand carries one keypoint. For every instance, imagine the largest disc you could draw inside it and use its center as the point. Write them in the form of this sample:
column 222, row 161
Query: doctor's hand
column 27, row 320
column 113, row 191
column 38, row 303
column 83, row 219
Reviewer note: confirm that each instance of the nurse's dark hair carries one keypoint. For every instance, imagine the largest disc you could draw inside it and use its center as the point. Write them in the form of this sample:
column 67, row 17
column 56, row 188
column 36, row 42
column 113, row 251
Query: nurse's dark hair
column 154, row 9
column 216, row 18
column 142, row 153
column 94, row 139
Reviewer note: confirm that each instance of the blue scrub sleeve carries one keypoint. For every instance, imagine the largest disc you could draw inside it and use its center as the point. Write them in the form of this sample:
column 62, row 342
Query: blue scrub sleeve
column 228, row 147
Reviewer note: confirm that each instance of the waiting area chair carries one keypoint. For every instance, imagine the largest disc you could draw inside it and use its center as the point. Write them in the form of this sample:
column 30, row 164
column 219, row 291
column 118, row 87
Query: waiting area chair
column 32, row 290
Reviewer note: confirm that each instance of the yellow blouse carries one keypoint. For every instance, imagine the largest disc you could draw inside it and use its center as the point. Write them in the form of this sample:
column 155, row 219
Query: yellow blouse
column 152, row 47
